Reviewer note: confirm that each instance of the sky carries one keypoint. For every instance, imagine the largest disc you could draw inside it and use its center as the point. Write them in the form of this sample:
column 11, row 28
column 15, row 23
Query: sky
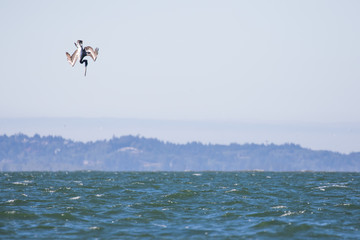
column 261, row 63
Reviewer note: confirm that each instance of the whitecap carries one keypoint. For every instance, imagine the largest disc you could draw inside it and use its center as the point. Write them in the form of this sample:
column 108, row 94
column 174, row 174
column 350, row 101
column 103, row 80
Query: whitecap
column 342, row 204
column 138, row 183
column 99, row 195
column 321, row 188
column 75, row 198
column 49, row 190
column 232, row 190
column 11, row 201
column 197, row 174
column 160, row 225
column 94, row 228
column 279, row 207
column 79, row 183
column 25, row 182
column 339, row 186
column 288, row 213
column 20, row 183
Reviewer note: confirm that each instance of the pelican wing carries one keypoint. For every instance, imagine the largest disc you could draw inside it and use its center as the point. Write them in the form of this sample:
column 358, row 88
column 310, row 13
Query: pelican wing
column 90, row 52
column 73, row 58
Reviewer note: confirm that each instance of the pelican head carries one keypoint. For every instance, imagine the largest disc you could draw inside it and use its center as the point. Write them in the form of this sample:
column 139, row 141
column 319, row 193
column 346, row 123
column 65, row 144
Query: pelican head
column 79, row 43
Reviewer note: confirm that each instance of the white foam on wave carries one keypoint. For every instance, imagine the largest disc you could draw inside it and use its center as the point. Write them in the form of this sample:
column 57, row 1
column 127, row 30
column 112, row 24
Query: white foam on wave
column 160, row 225
column 25, row 182
column 321, row 188
column 339, row 186
column 11, row 201
column 334, row 185
column 19, row 183
column 232, row 190
column 342, row 204
column 197, row 174
column 138, row 183
column 289, row 213
column 75, row 198
column 99, row 195
column 50, row 190
column 79, row 183
column 279, row 207
column 94, row 228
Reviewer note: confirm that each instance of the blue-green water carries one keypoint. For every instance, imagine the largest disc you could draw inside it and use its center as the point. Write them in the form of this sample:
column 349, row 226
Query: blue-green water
column 179, row 205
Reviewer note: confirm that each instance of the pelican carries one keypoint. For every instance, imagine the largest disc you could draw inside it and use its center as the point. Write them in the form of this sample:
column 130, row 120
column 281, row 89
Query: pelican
column 81, row 52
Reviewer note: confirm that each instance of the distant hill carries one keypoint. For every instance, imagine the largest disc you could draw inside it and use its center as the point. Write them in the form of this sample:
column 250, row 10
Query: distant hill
column 132, row 153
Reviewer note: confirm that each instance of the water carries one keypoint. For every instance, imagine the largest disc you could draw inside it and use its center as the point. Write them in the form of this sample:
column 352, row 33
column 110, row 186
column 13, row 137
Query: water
column 179, row 205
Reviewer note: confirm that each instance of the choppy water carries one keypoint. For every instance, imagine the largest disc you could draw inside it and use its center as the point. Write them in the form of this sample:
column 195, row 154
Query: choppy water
column 179, row 205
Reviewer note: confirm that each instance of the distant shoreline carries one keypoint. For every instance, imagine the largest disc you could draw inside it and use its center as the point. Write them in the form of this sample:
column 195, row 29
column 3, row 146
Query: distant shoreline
column 337, row 137
column 134, row 153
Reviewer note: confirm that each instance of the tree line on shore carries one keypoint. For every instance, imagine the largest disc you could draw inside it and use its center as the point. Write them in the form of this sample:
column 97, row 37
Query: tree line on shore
column 133, row 153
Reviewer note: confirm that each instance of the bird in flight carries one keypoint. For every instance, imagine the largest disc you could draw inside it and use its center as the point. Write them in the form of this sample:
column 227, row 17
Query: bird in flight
column 82, row 52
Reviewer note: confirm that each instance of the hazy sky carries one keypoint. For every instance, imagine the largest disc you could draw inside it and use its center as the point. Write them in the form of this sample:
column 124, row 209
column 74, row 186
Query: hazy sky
column 242, row 61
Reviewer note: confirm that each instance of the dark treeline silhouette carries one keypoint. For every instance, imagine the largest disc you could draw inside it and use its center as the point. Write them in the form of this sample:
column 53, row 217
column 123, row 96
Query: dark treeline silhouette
column 132, row 153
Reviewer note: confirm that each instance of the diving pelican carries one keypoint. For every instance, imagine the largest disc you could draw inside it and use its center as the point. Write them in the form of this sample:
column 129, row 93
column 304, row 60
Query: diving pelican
column 81, row 52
